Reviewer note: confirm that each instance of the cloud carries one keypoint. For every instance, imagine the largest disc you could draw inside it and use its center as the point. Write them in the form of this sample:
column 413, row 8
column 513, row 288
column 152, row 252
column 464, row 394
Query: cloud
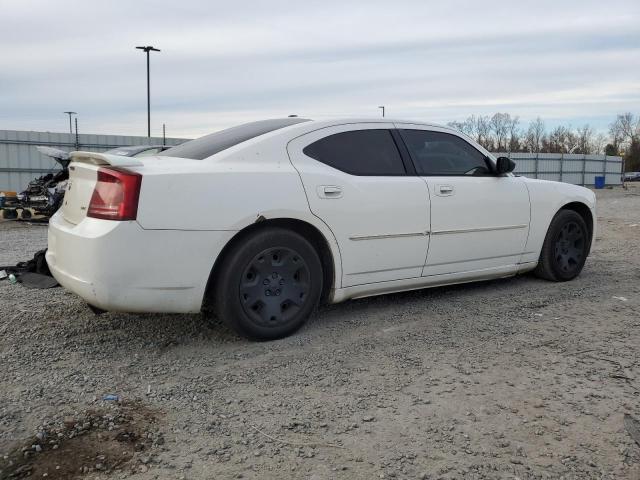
column 224, row 63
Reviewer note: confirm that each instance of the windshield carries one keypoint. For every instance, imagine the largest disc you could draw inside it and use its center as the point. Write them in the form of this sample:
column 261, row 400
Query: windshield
column 208, row 145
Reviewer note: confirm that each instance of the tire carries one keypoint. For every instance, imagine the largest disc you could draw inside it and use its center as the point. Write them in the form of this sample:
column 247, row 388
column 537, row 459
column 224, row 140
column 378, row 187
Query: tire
column 25, row 214
column 269, row 284
column 9, row 214
column 565, row 248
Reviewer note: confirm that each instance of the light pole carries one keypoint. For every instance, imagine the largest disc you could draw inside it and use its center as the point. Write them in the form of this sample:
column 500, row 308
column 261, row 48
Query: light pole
column 70, row 113
column 382, row 107
column 148, row 49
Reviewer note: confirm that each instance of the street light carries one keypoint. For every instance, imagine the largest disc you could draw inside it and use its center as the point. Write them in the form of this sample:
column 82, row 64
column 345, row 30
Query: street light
column 70, row 113
column 382, row 107
column 148, row 49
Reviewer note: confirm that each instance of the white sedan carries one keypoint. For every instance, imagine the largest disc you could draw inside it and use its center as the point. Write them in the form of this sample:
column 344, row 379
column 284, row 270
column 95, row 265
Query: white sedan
column 260, row 223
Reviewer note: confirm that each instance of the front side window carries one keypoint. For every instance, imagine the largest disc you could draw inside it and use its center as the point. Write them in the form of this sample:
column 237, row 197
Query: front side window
column 437, row 153
column 359, row 152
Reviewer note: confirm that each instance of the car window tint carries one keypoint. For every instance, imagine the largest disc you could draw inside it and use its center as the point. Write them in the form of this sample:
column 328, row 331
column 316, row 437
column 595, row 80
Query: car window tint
column 437, row 153
column 359, row 152
column 209, row 145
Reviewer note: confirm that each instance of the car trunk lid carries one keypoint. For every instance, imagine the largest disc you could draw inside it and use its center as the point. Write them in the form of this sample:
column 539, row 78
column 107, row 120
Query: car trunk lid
column 83, row 176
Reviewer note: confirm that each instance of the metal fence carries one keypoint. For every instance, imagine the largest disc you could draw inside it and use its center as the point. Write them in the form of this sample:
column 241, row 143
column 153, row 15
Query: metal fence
column 569, row 168
column 21, row 162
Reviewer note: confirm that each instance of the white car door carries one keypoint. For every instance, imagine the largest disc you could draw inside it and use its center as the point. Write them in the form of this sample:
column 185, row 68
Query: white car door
column 479, row 220
column 356, row 181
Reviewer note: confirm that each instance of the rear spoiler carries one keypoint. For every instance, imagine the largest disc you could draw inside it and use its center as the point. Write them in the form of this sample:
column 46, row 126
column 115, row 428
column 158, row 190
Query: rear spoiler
column 96, row 158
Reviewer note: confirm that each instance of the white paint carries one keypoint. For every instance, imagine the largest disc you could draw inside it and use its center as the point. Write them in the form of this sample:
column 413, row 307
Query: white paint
column 385, row 234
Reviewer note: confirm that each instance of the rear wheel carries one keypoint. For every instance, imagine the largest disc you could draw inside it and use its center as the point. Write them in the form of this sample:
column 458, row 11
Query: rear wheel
column 25, row 214
column 268, row 284
column 565, row 248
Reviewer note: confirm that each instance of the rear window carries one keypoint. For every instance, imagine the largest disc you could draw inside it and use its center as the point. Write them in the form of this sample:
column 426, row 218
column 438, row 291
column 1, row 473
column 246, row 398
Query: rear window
column 208, row 145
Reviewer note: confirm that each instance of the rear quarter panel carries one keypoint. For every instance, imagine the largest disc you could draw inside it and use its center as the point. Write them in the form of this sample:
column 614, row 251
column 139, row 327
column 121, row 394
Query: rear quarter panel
column 226, row 192
column 547, row 198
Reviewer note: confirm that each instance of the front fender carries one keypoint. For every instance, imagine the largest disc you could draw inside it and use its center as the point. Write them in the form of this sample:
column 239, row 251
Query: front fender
column 547, row 198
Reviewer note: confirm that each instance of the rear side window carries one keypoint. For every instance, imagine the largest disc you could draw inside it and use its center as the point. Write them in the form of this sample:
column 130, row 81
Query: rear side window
column 437, row 153
column 208, row 145
column 359, row 152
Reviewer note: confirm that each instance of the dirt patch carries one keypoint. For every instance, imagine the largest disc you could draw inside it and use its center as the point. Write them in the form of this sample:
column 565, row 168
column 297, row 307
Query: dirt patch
column 113, row 438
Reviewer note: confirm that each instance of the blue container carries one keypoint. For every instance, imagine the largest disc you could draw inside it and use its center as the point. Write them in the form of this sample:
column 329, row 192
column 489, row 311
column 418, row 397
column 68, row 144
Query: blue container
column 599, row 182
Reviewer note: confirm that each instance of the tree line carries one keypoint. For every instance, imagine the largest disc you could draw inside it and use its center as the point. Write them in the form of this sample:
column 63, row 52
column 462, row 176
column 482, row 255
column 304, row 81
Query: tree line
column 502, row 132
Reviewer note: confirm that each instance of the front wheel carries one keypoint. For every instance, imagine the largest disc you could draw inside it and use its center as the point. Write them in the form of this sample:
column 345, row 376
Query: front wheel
column 269, row 284
column 565, row 248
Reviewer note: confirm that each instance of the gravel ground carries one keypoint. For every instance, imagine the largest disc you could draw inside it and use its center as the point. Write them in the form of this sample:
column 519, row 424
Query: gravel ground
column 516, row 378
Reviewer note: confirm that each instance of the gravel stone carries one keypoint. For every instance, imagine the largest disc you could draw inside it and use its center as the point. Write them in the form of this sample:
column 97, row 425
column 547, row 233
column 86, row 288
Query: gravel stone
column 514, row 378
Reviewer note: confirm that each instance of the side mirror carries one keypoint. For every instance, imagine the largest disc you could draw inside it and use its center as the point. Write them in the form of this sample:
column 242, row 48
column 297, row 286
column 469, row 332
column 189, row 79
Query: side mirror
column 505, row 165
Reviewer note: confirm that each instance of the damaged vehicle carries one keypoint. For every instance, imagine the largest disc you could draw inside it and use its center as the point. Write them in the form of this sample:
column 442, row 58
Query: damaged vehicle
column 285, row 214
column 44, row 194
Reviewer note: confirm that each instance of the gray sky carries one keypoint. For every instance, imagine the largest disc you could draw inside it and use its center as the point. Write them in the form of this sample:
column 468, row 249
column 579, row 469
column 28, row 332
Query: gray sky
column 226, row 62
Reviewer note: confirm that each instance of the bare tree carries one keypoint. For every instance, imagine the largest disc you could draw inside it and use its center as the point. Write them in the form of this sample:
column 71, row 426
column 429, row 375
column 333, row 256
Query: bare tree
column 535, row 136
column 499, row 127
column 585, row 139
column 625, row 129
column 477, row 127
column 625, row 133
column 483, row 131
column 599, row 144
column 561, row 140
column 502, row 132
column 514, row 134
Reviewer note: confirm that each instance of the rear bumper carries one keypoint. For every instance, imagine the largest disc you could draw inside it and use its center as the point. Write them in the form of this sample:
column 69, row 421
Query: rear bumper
column 119, row 266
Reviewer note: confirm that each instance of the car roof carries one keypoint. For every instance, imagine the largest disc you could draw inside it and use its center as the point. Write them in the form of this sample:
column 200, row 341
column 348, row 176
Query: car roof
column 281, row 128
column 344, row 120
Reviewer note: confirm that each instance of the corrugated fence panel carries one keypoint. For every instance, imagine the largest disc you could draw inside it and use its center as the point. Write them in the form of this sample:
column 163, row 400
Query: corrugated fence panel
column 571, row 168
column 593, row 167
column 21, row 162
column 613, row 167
column 525, row 166
column 548, row 166
column 575, row 178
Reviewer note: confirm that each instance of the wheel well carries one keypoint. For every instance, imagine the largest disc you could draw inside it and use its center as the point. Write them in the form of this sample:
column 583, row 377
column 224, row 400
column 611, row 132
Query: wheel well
column 585, row 212
column 308, row 231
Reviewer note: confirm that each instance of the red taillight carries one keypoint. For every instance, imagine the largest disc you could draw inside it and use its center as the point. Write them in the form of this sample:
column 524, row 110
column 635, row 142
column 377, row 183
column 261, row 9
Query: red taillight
column 115, row 196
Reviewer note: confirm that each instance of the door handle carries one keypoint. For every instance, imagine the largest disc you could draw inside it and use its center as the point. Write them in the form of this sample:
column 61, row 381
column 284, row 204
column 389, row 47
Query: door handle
column 445, row 190
column 329, row 191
